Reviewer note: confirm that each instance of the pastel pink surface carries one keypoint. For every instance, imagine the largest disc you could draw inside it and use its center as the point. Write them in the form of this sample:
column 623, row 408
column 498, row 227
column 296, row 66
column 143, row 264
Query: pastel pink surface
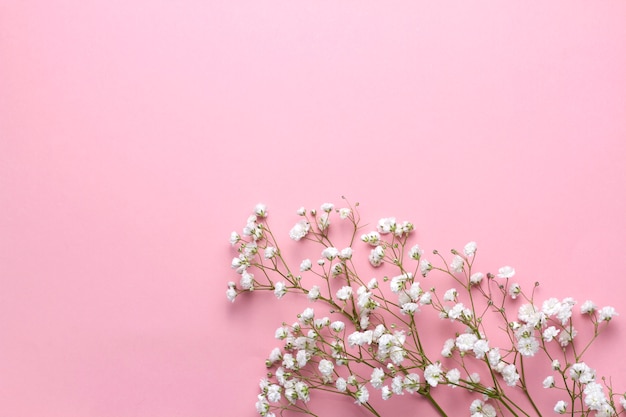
column 134, row 136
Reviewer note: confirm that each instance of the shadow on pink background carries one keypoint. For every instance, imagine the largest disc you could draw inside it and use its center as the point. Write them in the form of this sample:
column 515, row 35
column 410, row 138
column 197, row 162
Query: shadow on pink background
column 135, row 136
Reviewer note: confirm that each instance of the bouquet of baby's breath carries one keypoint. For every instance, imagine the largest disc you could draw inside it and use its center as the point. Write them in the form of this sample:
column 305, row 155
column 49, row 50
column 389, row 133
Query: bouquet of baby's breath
column 370, row 338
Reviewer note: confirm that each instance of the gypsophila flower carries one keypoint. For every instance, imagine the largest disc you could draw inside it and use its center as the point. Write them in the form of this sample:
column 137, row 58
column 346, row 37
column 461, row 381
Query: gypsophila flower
column 314, row 293
column 560, row 407
column 470, row 249
column 548, row 382
column 506, row 272
column 300, row 230
column 387, row 225
column 606, row 313
column 433, row 374
column 450, row 295
column 416, row 252
column 344, row 213
column 514, row 290
column 476, row 277
column 372, row 346
column 327, row 207
column 453, row 376
column 588, row 307
column 341, row 385
column 280, row 289
column 457, row 264
column 376, row 379
column 344, row 293
column 260, row 210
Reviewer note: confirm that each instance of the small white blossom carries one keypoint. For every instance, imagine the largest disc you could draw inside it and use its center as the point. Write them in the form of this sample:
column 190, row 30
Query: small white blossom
column 506, row 272
column 588, row 307
column 301, row 211
column 341, row 385
column 345, row 253
column 556, row 365
column 387, row 225
column 344, row 213
column 231, row 292
column 326, row 367
column 527, row 346
column 453, row 376
column 433, row 374
column 560, row 407
column 450, row 295
column 280, row 289
column 330, row 253
column 476, row 278
column 378, row 374
column 337, row 326
column 386, row 392
column 344, row 293
column 457, row 264
column 607, row 313
column 300, row 230
column 550, row 333
column 470, row 249
column 260, row 210
column 362, row 395
column 514, row 290
column 425, row 267
column 327, row 207
column 314, row 293
column 448, row 346
column 234, row 238
column 548, row 382
column 415, row 252
column 377, row 255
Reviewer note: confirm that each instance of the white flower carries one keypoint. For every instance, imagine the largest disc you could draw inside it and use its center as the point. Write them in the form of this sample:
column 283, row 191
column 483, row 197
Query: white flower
column 510, row 375
column 362, row 395
column 346, row 253
column 494, row 357
column 386, row 392
column 326, row 367
column 465, row 342
column 303, row 391
column 341, row 385
column 377, row 255
column 337, row 326
column 588, row 307
column 397, row 386
column 373, row 238
column 514, row 290
column 280, row 289
column 457, row 264
column 476, row 278
column 305, row 265
column 344, row 293
column 344, row 213
column 327, row 207
column 582, row 373
column 506, row 272
column 247, row 280
column 262, row 406
column 453, row 376
column 527, row 346
column 607, row 313
column 470, row 249
column 433, row 374
column 301, row 211
column 234, row 238
column 426, row 298
column 566, row 336
column 556, row 365
column 275, row 355
column 410, row 308
column 314, row 293
column 560, row 407
column 330, row 253
column 548, row 382
column 387, row 225
column 450, row 295
column 550, row 333
column 270, row 252
column 378, row 374
column 231, row 292
column 307, row 315
column 273, row 393
column 481, row 347
column 425, row 267
column 300, row 230
column 415, row 252
column 447, row 348
column 260, row 210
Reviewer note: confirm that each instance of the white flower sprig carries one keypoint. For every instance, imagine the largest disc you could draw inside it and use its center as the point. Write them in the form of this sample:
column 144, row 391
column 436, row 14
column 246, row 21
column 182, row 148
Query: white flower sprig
column 367, row 338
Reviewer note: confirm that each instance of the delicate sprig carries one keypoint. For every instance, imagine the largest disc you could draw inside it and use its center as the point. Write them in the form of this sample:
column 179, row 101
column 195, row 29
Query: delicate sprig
column 368, row 339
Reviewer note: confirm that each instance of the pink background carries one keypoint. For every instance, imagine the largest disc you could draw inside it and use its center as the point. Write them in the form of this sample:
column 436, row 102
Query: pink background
column 135, row 135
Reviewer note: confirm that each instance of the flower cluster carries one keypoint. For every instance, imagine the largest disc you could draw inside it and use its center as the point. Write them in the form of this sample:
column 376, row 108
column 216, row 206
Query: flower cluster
column 363, row 336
